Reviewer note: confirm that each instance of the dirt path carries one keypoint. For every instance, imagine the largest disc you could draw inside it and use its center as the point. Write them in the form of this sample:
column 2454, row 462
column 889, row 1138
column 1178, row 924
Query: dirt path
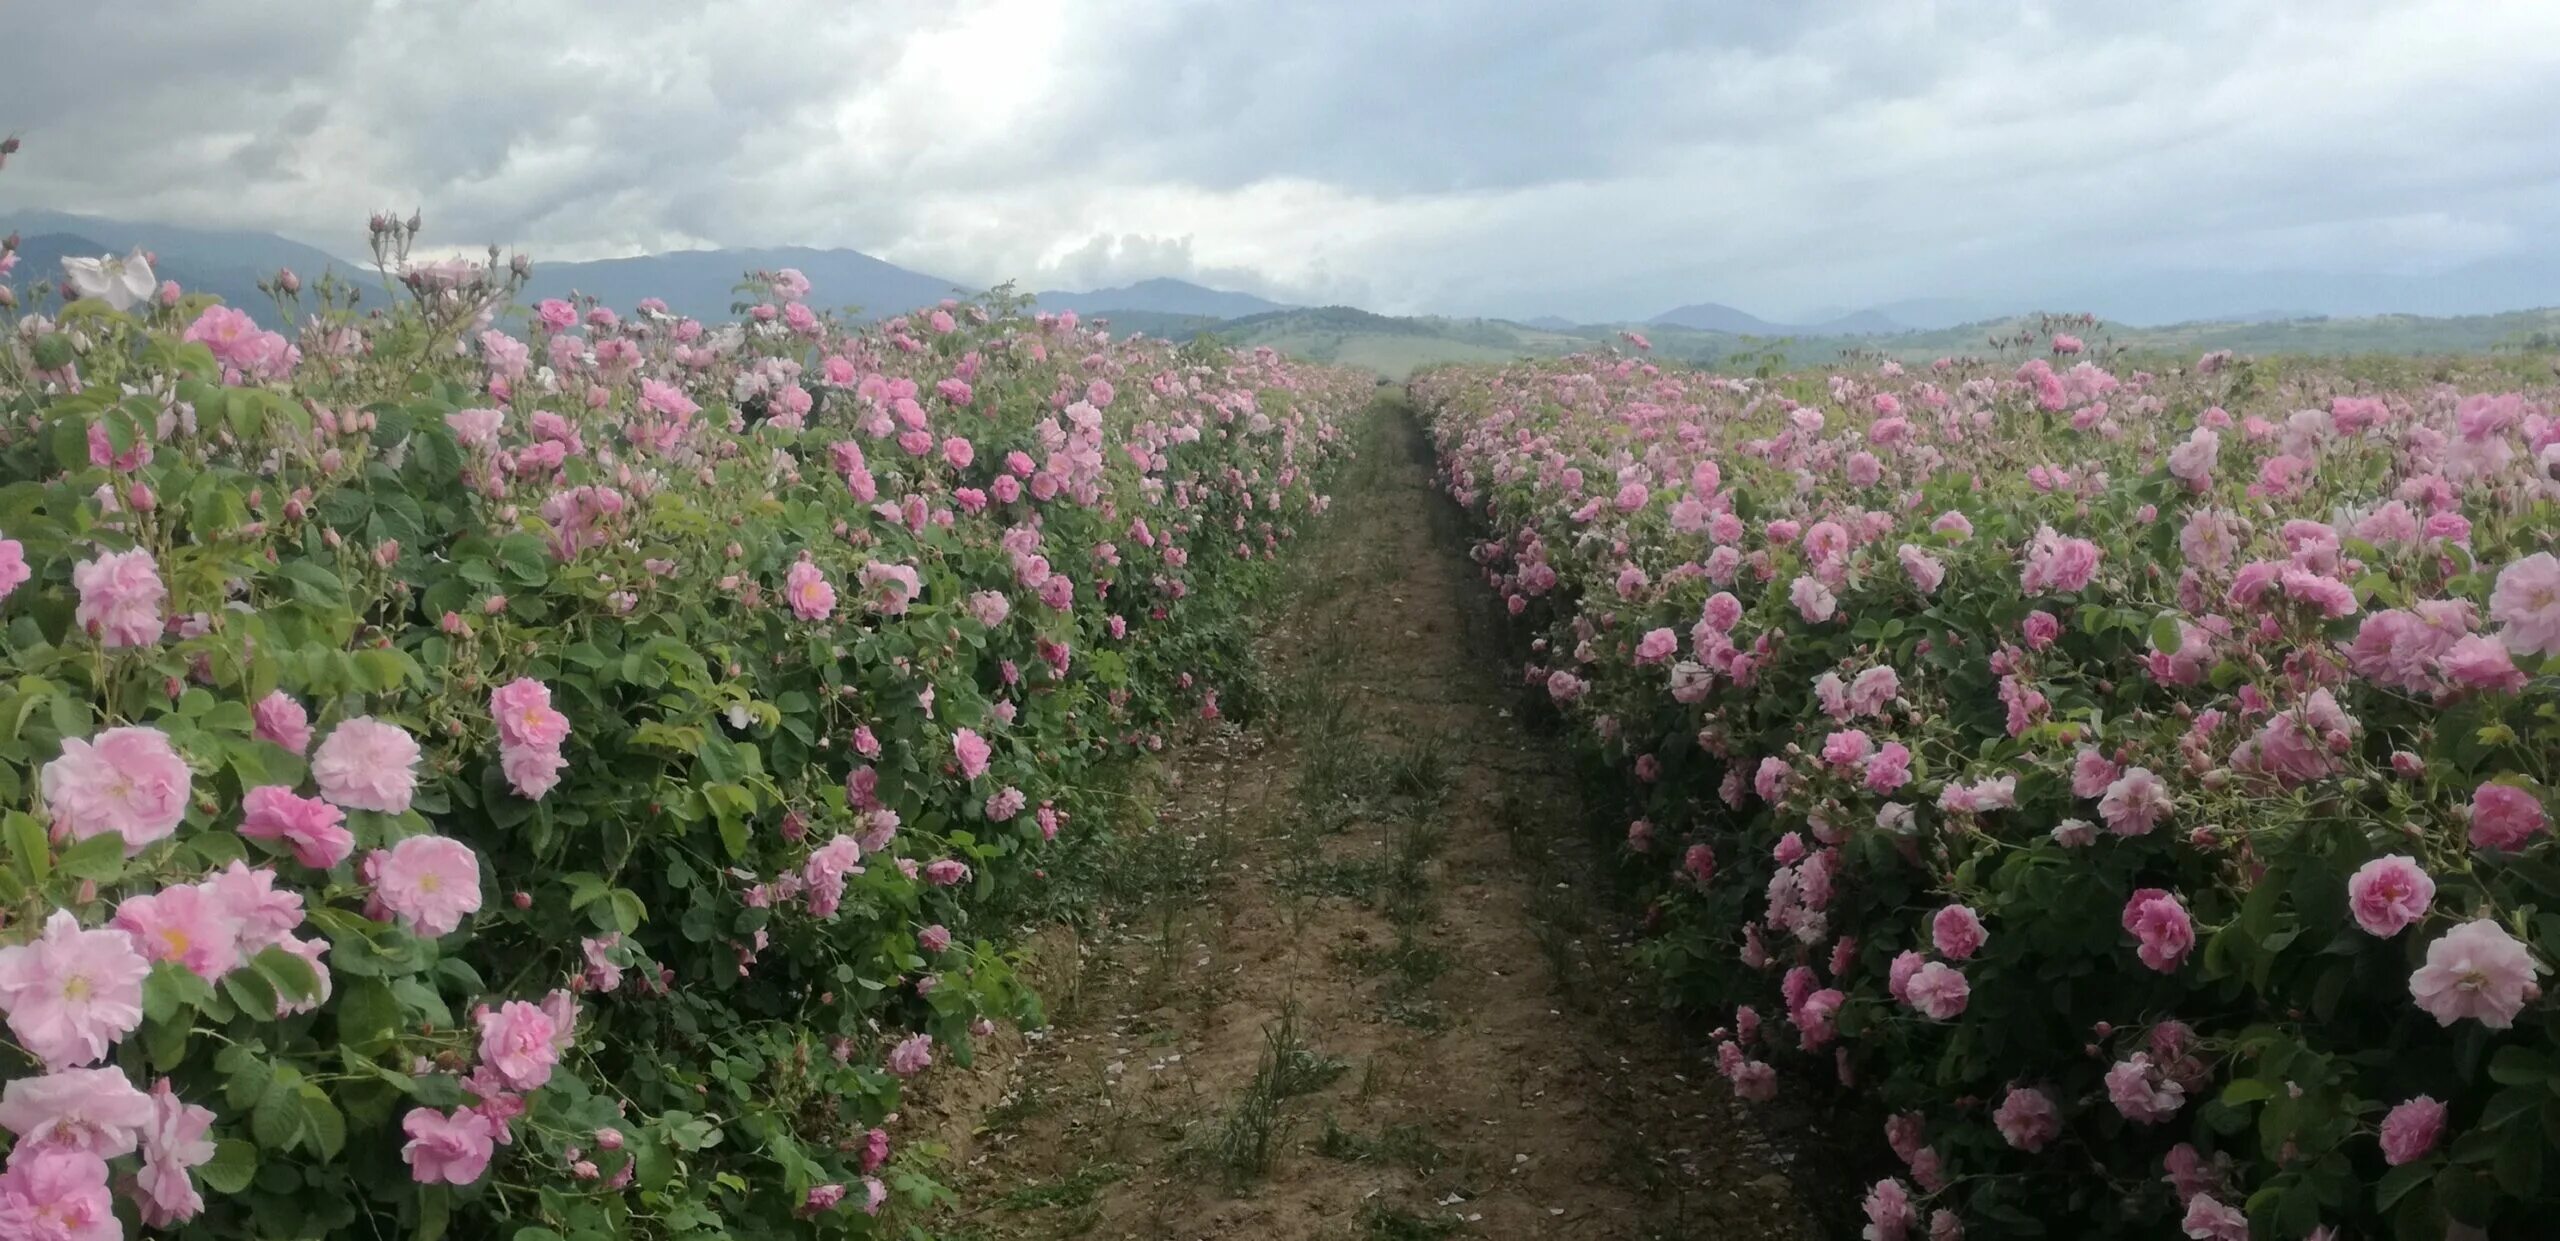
column 1364, row 1000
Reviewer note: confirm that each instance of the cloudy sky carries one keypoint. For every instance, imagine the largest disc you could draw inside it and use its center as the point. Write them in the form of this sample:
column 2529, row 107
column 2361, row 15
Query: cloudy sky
column 1591, row 158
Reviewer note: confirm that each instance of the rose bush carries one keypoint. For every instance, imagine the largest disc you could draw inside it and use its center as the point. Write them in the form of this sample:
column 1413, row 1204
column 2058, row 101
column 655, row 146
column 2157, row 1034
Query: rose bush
column 2134, row 784
column 559, row 775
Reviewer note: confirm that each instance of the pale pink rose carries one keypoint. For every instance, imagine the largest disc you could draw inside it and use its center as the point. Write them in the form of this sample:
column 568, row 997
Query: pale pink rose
column 178, row 1138
column 13, row 566
column 2159, row 920
column 516, row 1041
column 812, row 598
column 522, row 709
column 2209, row 1220
column 2389, row 893
column 1957, row 932
column 282, row 720
column 912, row 1055
column 430, row 883
column 2477, row 971
column 2477, row 661
column 1939, row 991
column 92, row 1110
column 249, row 896
column 2143, row 1093
column 972, row 752
column 55, row 1193
column 448, row 1149
column 2505, row 817
column 2411, row 1130
column 185, row 924
column 1812, row 600
column 129, row 781
column 120, row 598
column 2526, row 602
column 365, row 764
column 1888, row 1211
column 315, row 829
column 71, row 995
column 2135, row 802
column 531, row 771
column 2027, row 1119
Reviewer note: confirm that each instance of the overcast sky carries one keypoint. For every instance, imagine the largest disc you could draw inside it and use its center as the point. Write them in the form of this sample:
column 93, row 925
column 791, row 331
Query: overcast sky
column 1592, row 158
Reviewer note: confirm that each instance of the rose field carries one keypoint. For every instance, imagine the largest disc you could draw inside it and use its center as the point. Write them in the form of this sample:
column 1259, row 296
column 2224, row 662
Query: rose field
column 2128, row 785
column 489, row 766
column 558, row 771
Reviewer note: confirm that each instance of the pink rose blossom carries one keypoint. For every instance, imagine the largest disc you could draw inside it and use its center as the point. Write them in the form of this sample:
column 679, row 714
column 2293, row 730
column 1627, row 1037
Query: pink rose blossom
column 281, row 719
column 2388, row 894
column 96, row 1111
column 2027, row 1119
column 523, row 712
column 1957, row 932
column 2411, row 1130
column 2525, row 602
column 365, row 764
column 448, row 1149
column 972, row 751
column 1938, row 990
column 516, row 1041
column 129, row 781
column 430, row 883
column 2135, row 803
column 912, row 1055
column 2159, row 920
column 185, row 924
column 2505, row 817
column 72, row 994
column 812, row 598
column 2476, row 971
column 121, row 597
column 55, row 1193
column 314, row 828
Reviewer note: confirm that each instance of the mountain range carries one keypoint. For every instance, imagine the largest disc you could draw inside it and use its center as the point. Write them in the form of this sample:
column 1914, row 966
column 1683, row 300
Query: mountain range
column 704, row 284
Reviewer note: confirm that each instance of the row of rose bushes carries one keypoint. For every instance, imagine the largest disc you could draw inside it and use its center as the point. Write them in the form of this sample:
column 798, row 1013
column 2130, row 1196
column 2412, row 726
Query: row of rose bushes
column 547, row 773
column 2134, row 783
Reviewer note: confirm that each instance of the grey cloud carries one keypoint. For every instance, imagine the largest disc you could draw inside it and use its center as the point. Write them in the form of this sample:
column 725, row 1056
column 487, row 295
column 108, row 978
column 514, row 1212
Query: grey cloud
column 1598, row 160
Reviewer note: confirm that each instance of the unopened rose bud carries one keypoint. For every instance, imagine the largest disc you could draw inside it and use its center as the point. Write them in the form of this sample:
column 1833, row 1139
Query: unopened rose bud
column 523, row 900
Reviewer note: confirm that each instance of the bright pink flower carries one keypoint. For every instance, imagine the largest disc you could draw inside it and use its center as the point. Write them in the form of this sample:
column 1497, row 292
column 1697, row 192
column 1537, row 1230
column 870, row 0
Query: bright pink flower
column 57, row 1194
column 522, row 709
column 812, row 598
column 972, row 751
column 2058, row 565
column 1898, row 975
column 1938, row 990
column 1656, row 645
column 13, row 566
column 314, row 828
column 2388, row 894
column 185, row 924
column 2477, row 971
column 2159, row 920
column 366, row 764
column 120, row 598
column 2092, row 773
column 1847, row 747
column 93, row 1110
column 129, row 781
column 430, row 883
column 2027, row 1119
column 282, row 720
column 516, row 1041
column 2505, row 817
column 1888, row 1210
column 1957, row 932
column 249, row 897
column 2526, row 601
column 71, row 994
column 447, row 1149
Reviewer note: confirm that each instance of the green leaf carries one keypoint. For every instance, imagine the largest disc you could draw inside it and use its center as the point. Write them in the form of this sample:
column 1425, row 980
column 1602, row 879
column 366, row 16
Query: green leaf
column 234, row 1162
column 368, row 1014
column 2515, row 1065
column 321, row 1120
column 27, row 843
column 99, row 857
column 435, row 1211
column 277, row 1123
column 294, row 978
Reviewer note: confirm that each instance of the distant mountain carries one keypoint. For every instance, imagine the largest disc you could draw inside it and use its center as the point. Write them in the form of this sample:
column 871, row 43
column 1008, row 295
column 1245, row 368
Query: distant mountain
column 1162, row 295
column 1714, row 317
column 703, row 283
column 226, row 263
column 1552, row 323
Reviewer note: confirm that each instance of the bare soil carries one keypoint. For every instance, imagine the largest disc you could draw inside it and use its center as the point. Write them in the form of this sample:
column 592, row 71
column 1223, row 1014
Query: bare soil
column 1372, row 999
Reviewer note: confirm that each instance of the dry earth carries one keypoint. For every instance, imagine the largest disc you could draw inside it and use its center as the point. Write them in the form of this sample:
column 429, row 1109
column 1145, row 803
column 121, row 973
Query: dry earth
column 1367, row 999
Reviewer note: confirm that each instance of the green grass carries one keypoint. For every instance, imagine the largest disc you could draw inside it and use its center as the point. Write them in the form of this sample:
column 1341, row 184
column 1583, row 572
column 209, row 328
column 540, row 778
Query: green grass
column 1076, row 1189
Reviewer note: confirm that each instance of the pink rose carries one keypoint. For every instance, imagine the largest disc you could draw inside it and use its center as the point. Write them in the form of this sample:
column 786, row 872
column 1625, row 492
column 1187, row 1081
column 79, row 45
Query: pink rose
column 280, row 719
column 447, row 1149
column 2027, row 1119
column 2477, row 971
column 365, row 764
column 2389, row 893
column 2504, row 816
column 430, row 883
column 1957, row 932
column 120, row 598
column 972, row 752
column 1938, row 990
column 2159, row 920
column 2411, row 1130
column 129, row 781
column 516, row 1041
column 72, row 994
column 314, row 828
